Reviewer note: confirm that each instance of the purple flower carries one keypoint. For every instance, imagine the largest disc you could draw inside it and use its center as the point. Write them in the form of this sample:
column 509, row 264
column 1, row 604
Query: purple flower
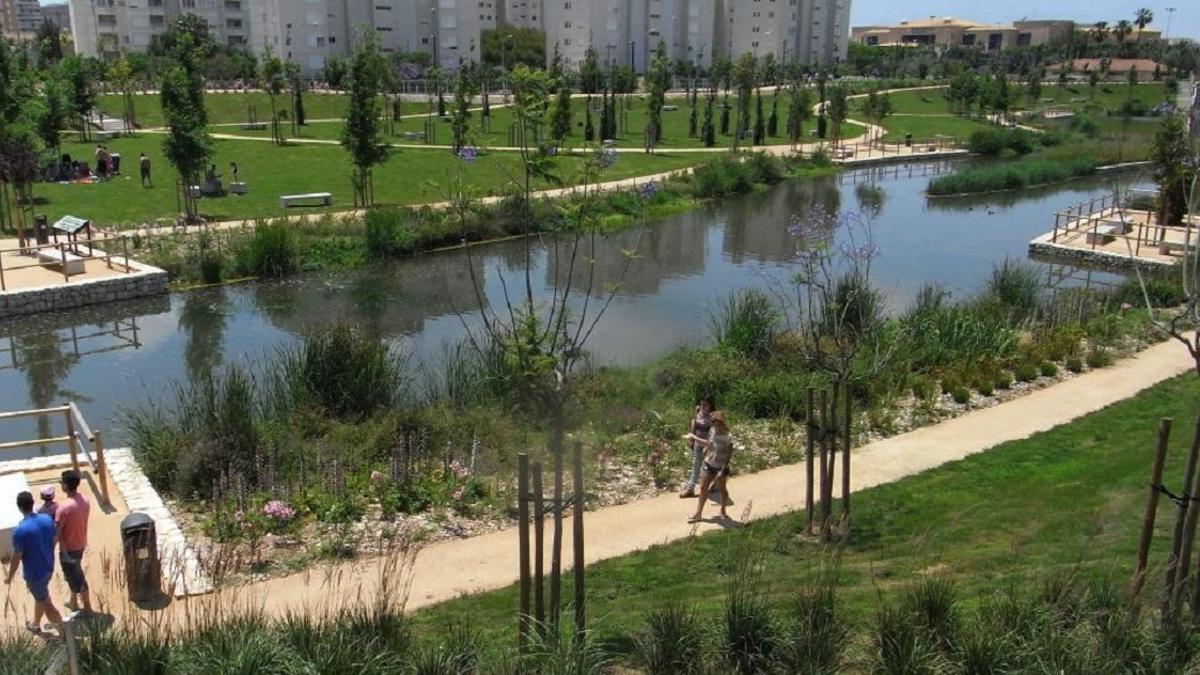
column 279, row 510
column 648, row 190
column 459, row 469
column 468, row 153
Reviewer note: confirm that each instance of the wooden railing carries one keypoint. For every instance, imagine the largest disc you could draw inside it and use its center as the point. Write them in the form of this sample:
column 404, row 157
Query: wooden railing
column 78, row 437
column 879, row 148
column 63, row 253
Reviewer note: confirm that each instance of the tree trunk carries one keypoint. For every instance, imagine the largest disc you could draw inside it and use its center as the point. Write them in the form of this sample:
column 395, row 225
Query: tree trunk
column 809, row 443
column 1189, row 528
column 577, row 541
column 539, row 546
column 1180, row 516
column 523, row 543
column 556, row 447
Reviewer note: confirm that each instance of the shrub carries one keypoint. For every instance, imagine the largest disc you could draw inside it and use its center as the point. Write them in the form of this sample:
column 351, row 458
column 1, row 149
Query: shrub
column 746, row 324
column 900, row 645
column 270, row 252
column 1003, row 380
column 340, row 369
column 210, row 267
column 388, row 232
column 778, row 394
column 960, row 395
column 721, row 177
column 815, row 637
column 994, row 141
column 1026, row 372
column 986, row 387
column 1074, row 364
column 1163, row 288
column 1099, row 357
column 765, row 168
column 1012, row 291
column 941, row 334
column 1014, row 175
column 673, row 642
column 1048, row 369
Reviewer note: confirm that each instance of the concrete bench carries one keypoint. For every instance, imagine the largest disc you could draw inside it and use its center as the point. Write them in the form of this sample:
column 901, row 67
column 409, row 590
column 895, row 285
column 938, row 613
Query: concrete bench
column 105, row 135
column 1106, row 232
column 254, row 126
column 670, row 108
column 11, row 485
column 1169, row 247
column 413, row 136
column 237, row 188
column 71, row 263
column 320, row 199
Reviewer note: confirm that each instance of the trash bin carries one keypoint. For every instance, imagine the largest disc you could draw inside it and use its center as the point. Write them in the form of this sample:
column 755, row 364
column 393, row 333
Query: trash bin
column 143, row 575
column 908, row 140
column 41, row 229
column 116, row 162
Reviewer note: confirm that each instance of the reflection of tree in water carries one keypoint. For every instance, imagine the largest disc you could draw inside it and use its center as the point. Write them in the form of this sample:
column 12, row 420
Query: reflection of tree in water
column 203, row 318
column 45, row 365
column 757, row 227
column 871, row 198
column 665, row 250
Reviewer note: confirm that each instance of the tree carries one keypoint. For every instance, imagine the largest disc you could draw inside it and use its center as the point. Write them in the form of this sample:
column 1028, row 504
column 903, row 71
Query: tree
column 1099, row 32
column 1142, row 18
column 773, row 120
column 659, row 80
column 557, row 75
column 186, row 146
column 693, row 119
column 837, row 110
column 271, row 79
column 725, row 116
column 511, row 46
column 81, row 93
column 589, row 131
column 1122, row 31
column 53, row 118
column 963, row 90
column 293, row 76
column 193, row 32
column 120, row 75
column 744, row 79
column 1171, row 154
column 49, row 44
column 1001, row 98
column 360, row 136
column 560, row 115
column 591, row 78
column 760, row 126
column 707, row 131
column 799, row 110
column 1093, row 77
column 877, row 107
column 1064, row 73
column 1033, row 86
column 334, row 72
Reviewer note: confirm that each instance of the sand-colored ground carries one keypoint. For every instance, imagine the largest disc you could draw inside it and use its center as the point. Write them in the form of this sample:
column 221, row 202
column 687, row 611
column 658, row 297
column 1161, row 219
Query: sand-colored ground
column 23, row 271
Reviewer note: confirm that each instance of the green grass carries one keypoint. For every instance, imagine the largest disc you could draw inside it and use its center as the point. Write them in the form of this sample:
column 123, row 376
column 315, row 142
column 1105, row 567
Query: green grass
column 675, row 127
column 232, row 108
column 926, row 127
column 409, row 177
column 1082, row 491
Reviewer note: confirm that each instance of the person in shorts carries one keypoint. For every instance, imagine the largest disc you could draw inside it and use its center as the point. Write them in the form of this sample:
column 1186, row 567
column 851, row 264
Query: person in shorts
column 33, row 552
column 72, row 521
column 718, row 451
column 699, row 425
column 144, row 168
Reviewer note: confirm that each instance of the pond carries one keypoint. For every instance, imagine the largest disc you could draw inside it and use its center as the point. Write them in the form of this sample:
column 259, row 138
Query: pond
column 126, row 354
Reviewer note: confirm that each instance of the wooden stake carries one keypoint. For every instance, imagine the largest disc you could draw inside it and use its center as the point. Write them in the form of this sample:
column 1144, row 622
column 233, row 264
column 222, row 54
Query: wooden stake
column 1143, row 555
column 846, row 411
column 523, row 542
column 1189, row 527
column 539, row 545
column 810, row 438
column 1177, row 539
column 577, row 541
column 826, row 460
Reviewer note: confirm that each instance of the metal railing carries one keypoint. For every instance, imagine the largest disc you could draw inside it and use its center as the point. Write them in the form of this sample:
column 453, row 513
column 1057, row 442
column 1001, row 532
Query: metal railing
column 875, row 147
column 63, row 253
column 78, row 437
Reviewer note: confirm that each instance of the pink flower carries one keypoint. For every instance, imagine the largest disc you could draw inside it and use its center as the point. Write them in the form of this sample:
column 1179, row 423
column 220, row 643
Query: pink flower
column 279, row 510
column 459, row 492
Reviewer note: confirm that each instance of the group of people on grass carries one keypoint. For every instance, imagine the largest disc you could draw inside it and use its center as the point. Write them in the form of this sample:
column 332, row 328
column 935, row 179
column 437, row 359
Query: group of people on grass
column 711, row 444
column 62, row 524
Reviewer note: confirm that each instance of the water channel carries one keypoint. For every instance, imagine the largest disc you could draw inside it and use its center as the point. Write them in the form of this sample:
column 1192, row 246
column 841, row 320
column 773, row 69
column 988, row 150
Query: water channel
column 115, row 356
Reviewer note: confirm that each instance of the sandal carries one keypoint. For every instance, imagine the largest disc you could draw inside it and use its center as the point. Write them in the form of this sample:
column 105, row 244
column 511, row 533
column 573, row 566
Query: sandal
column 694, row 519
column 689, row 494
column 32, row 628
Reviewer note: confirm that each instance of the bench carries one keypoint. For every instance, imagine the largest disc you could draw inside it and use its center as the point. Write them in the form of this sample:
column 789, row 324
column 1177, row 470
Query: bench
column 71, row 263
column 670, row 108
column 237, row 188
column 1106, row 232
column 322, row 199
column 254, row 126
column 1169, row 247
column 413, row 136
column 105, row 135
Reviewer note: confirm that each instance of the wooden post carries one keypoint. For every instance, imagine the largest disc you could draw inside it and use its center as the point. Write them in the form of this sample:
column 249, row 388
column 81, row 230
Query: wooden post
column 539, row 546
column 1180, row 515
column 1143, row 555
column 523, row 542
column 101, row 465
column 1189, row 528
column 846, row 461
column 70, row 425
column 826, row 493
column 62, row 253
column 577, row 541
column 809, row 440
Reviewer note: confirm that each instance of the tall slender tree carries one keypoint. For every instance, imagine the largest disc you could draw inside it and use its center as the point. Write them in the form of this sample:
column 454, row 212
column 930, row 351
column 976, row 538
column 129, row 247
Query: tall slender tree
column 360, row 137
column 1142, row 18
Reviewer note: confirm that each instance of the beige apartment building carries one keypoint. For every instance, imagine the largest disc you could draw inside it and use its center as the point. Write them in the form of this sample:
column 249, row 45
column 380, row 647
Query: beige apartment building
column 20, row 18
column 110, row 27
column 951, row 32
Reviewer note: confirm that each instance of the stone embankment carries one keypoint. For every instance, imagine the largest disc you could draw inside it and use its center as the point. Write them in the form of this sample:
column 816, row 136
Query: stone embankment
column 143, row 281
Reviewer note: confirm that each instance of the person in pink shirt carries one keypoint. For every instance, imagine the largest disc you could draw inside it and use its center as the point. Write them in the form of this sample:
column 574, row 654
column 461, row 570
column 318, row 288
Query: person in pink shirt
column 72, row 521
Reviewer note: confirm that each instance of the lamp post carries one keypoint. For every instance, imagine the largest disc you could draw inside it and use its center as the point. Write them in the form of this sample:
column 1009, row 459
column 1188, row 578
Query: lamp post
column 632, row 62
column 1167, row 32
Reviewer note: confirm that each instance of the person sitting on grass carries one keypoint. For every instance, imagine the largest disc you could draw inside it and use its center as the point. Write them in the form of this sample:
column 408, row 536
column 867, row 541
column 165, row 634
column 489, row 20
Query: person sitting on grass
column 718, row 451
column 33, row 551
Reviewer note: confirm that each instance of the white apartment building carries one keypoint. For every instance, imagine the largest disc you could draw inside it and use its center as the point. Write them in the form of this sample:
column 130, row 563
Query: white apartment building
column 109, row 27
column 20, row 18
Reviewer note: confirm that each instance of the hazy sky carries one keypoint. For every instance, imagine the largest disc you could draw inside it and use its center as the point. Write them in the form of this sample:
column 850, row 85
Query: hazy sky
column 1186, row 21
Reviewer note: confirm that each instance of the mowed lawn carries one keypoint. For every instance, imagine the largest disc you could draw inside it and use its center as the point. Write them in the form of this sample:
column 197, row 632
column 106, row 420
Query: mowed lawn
column 235, row 108
column 1066, row 501
column 675, row 126
column 409, row 177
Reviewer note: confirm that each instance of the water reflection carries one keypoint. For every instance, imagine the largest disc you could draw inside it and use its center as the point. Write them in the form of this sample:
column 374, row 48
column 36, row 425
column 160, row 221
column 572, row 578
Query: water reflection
column 124, row 354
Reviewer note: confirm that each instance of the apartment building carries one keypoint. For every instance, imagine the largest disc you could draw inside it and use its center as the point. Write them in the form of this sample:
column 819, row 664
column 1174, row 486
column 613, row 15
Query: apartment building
column 20, row 18
column 59, row 15
column 948, row 31
column 109, row 27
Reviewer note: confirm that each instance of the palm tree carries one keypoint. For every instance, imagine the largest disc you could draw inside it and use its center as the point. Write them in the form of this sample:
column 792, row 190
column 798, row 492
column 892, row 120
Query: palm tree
column 1122, row 31
column 1099, row 31
column 1141, row 19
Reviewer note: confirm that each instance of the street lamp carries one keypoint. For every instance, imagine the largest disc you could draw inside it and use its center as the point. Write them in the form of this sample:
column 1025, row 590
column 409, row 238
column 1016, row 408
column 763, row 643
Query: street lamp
column 1170, row 14
column 632, row 48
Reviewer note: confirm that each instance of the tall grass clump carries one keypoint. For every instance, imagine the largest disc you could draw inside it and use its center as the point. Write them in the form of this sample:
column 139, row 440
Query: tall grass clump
column 746, row 323
column 341, row 370
column 271, row 251
column 673, row 642
column 562, row 653
column 1013, row 291
column 388, row 232
column 242, row 646
column 940, row 333
column 1016, row 175
column 749, row 633
column 724, row 176
column 995, row 141
column 20, row 655
column 815, row 637
column 900, row 645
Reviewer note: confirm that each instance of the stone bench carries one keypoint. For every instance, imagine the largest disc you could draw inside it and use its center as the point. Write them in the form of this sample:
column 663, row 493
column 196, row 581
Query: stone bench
column 237, row 188
column 413, row 136
column 254, row 126
column 321, row 199
column 71, row 263
column 105, row 135
column 1106, row 232
column 670, row 108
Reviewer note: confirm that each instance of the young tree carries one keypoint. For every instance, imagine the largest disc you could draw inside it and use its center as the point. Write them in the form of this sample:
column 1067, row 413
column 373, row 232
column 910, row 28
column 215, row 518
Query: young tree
column 53, row 117
column 708, row 132
column 725, row 115
column 760, row 126
column 49, row 44
column 591, row 78
column 773, row 120
column 560, row 115
column 1033, row 86
column 1174, row 171
column 460, row 116
column 271, row 78
column 556, row 68
column 693, row 119
column 799, row 110
column 1093, row 77
column 877, row 107
column 186, row 146
column 1001, row 99
column 81, row 92
column 659, row 80
column 334, row 72
column 837, row 110
column 1064, row 73
column 744, row 74
column 589, row 131
column 297, row 84
column 120, row 75
column 360, row 137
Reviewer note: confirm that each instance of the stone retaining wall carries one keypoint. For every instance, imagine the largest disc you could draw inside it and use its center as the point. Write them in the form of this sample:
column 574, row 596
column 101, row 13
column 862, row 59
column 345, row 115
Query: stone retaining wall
column 1045, row 249
column 143, row 281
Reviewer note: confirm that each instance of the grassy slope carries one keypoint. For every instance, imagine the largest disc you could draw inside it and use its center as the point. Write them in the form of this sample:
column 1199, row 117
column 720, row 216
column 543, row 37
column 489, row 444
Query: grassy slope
column 231, row 108
column 410, row 176
column 1078, row 507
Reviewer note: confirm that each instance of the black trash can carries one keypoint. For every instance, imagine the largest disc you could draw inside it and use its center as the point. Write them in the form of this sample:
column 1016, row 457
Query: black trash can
column 143, row 575
column 41, row 229
column 116, row 162
column 908, row 140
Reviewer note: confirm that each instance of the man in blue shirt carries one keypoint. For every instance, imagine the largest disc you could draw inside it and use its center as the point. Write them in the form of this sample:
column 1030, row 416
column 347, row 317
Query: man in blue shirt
column 33, row 549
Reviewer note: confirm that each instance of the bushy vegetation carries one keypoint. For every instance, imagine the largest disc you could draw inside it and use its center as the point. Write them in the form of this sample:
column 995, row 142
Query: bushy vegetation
column 1013, row 175
column 997, row 141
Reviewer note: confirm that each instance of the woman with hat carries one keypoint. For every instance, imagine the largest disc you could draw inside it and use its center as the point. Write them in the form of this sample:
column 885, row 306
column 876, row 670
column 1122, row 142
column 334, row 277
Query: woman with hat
column 718, row 450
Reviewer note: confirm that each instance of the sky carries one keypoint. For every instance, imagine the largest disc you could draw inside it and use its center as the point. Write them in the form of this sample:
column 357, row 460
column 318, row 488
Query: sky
column 1185, row 21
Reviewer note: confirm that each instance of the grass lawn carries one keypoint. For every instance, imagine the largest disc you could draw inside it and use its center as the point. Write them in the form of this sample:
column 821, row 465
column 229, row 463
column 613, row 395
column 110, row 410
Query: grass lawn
column 1069, row 499
column 933, row 125
column 675, row 127
column 410, row 176
column 231, row 108
column 919, row 102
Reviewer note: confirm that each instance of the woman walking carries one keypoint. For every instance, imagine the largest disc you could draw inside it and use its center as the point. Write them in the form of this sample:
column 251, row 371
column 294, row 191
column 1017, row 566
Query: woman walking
column 718, row 451
column 699, row 426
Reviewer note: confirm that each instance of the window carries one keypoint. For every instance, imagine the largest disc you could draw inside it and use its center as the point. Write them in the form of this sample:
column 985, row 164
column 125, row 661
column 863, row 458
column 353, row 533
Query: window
column 1024, row 39
column 233, row 23
column 233, row 5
